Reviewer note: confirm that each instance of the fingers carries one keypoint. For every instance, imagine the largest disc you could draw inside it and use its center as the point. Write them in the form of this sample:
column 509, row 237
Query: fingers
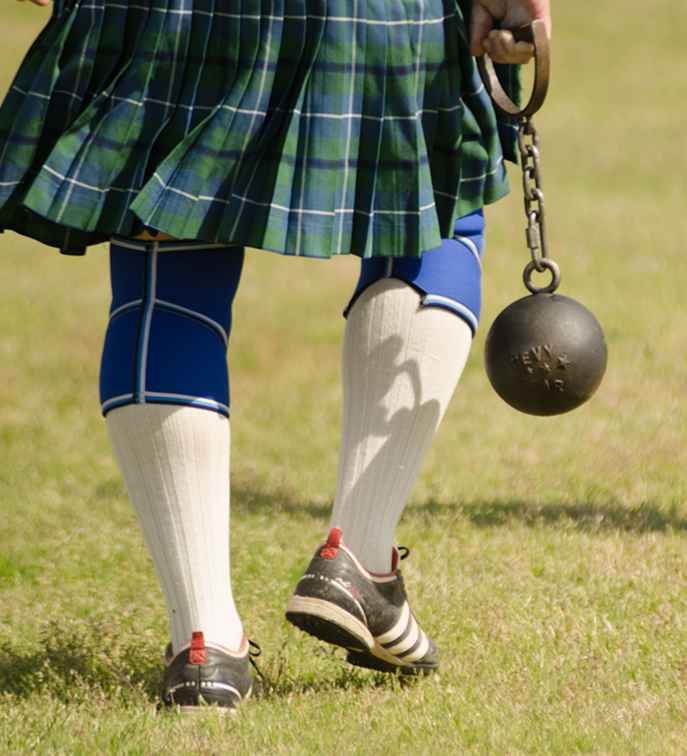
column 502, row 48
column 510, row 14
column 482, row 23
column 38, row 2
column 541, row 11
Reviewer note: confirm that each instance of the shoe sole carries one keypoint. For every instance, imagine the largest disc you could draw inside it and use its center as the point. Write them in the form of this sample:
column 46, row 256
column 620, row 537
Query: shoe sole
column 369, row 661
column 223, row 711
column 332, row 624
column 329, row 623
column 199, row 711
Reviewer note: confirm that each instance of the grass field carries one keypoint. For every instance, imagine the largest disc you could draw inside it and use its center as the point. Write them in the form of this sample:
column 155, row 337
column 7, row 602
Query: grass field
column 549, row 556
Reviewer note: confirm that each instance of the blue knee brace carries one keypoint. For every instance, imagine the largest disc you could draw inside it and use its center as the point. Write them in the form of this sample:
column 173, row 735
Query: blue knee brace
column 449, row 276
column 170, row 316
column 169, row 324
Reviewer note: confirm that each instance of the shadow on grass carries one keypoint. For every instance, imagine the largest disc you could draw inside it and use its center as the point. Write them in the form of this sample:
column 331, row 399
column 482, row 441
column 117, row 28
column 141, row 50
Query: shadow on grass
column 345, row 680
column 277, row 680
column 79, row 660
column 648, row 517
column 588, row 516
column 76, row 659
column 248, row 497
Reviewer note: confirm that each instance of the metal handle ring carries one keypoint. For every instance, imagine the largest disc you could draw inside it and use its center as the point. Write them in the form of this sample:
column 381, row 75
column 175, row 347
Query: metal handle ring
column 537, row 35
column 546, row 264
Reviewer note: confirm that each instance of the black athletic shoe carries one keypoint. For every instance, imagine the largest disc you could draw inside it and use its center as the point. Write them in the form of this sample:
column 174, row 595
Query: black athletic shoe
column 201, row 676
column 338, row 601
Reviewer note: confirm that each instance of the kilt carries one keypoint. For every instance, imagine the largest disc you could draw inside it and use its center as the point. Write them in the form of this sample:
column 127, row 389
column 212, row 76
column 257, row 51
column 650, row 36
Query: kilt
column 306, row 127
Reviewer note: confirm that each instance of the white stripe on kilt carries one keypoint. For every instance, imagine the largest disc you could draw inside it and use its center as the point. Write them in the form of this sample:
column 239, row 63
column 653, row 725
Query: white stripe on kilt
column 398, row 629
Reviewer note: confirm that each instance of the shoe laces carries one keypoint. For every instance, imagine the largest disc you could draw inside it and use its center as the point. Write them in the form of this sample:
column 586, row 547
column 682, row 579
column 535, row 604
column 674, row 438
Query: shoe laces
column 398, row 554
column 254, row 650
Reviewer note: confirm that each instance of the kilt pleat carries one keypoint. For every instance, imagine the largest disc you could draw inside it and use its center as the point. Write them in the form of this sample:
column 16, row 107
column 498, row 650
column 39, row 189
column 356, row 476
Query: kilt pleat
column 307, row 127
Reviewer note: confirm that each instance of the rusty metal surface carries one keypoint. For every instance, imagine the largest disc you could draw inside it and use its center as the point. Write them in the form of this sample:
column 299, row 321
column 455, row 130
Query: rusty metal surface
column 537, row 35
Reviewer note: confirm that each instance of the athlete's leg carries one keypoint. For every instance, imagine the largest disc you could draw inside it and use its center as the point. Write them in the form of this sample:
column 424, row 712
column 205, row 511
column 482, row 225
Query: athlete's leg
column 407, row 339
column 165, row 393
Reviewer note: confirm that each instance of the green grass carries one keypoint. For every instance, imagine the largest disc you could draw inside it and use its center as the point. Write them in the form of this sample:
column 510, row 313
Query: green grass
column 548, row 556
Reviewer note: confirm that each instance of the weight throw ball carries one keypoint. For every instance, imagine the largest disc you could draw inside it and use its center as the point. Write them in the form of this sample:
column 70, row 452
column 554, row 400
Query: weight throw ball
column 545, row 354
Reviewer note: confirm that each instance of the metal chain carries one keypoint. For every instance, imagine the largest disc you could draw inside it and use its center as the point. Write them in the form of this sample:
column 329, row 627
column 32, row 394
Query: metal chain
column 535, row 232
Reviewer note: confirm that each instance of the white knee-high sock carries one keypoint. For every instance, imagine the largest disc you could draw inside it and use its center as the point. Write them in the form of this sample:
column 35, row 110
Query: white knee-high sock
column 401, row 364
column 175, row 463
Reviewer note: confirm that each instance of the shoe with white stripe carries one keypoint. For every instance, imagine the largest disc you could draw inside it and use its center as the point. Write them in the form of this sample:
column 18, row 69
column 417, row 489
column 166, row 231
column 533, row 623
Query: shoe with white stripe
column 338, row 601
column 202, row 676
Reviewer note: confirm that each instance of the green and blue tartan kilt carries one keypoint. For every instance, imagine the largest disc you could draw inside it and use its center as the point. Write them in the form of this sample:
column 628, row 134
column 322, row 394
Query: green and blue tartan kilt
column 307, row 127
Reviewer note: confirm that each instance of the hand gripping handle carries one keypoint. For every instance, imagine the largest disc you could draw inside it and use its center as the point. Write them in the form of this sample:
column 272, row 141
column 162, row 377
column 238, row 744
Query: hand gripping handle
column 536, row 34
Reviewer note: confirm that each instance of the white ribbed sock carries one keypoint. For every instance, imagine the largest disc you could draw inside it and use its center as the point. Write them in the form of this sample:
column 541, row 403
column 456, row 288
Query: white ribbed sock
column 175, row 462
column 401, row 364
